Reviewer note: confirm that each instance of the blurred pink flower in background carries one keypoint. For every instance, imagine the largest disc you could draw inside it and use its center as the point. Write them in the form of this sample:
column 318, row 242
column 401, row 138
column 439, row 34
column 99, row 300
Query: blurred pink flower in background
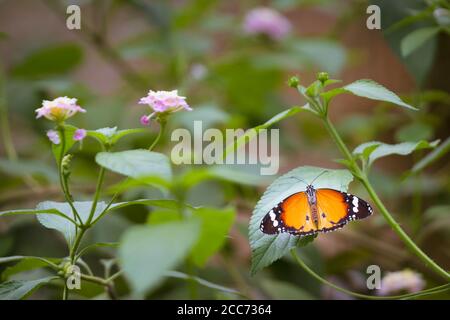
column 198, row 71
column 406, row 280
column 79, row 134
column 163, row 102
column 59, row 109
column 53, row 136
column 267, row 21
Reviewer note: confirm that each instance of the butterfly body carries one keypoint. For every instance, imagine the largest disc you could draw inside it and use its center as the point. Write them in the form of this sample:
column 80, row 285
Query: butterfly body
column 312, row 201
column 314, row 210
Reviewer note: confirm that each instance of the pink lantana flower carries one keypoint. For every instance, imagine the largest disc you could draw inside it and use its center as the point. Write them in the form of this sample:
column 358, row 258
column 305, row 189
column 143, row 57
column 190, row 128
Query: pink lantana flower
column 266, row 21
column 406, row 280
column 163, row 103
column 53, row 136
column 79, row 134
column 59, row 109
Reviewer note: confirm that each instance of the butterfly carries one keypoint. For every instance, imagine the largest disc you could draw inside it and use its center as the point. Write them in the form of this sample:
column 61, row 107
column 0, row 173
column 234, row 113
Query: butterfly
column 314, row 210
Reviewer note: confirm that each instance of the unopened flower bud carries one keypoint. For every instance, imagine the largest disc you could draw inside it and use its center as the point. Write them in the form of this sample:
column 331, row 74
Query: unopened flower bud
column 293, row 82
column 322, row 77
column 65, row 163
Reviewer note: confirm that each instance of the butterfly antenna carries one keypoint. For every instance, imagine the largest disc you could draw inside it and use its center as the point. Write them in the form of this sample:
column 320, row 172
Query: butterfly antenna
column 325, row 171
column 301, row 180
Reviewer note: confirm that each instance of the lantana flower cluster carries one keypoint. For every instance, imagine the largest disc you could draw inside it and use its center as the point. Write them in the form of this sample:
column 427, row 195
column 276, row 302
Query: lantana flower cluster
column 163, row 103
column 59, row 110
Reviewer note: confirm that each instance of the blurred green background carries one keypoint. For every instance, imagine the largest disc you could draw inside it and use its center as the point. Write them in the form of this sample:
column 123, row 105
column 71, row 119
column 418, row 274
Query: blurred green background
column 231, row 80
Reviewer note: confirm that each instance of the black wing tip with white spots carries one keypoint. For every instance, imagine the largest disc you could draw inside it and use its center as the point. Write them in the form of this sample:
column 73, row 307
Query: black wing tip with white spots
column 356, row 207
column 271, row 223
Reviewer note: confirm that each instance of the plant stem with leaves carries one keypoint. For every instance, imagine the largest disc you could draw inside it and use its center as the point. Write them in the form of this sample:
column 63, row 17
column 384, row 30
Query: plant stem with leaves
column 362, row 176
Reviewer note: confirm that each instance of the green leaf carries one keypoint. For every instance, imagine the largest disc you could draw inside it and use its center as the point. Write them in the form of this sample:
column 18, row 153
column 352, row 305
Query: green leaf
column 432, row 157
column 26, row 264
column 63, row 225
column 268, row 248
column 163, row 216
column 375, row 150
column 123, row 133
column 280, row 116
column 314, row 89
column 162, row 203
column 47, row 211
column 50, row 61
column 136, row 163
column 366, row 149
column 68, row 134
column 127, row 184
column 370, row 89
column 215, row 225
column 20, row 289
column 416, row 39
column 110, row 136
column 330, row 94
column 103, row 135
column 148, row 252
column 284, row 290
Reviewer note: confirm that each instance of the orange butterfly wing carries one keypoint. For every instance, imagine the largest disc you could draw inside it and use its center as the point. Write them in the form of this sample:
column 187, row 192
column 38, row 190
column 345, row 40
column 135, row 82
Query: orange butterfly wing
column 292, row 215
column 336, row 208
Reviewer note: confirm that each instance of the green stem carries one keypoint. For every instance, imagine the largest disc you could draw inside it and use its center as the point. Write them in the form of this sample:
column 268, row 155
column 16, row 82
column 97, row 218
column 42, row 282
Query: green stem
column 65, row 292
column 76, row 244
column 387, row 216
column 402, row 234
column 105, row 211
column 341, row 145
column 107, row 283
column 94, row 279
column 85, row 226
column 115, row 276
column 364, row 296
column 101, row 177
column 162, row 125
column 62, row 178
